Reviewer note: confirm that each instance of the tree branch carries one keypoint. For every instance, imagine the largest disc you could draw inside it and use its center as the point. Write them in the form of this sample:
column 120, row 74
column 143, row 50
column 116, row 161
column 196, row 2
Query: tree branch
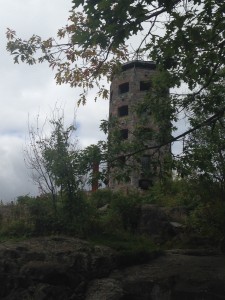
column 208, row 121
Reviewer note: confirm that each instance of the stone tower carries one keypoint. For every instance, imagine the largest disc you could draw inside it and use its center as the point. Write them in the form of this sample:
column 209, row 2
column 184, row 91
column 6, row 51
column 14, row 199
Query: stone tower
column 128, row 88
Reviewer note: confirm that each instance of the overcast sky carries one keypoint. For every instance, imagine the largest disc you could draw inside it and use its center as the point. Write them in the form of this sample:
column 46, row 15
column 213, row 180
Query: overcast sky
column 29, row 91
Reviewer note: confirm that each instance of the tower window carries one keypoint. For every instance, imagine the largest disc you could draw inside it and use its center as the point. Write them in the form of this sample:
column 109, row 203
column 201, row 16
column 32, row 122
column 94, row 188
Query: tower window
column 124, row 134
column 122, row 161
column 124, row 88
column 123, row 111
column 145, row 85
column 145, row 162
column 144, row 184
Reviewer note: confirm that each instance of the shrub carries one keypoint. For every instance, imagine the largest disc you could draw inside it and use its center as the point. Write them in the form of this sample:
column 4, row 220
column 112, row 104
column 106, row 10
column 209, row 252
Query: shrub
column 101, row 197
column 79, row 219
column 122, row 213
column 128, row 208
column 132, row 249
column 208, row 220
column 40, row 214
column 17, row 228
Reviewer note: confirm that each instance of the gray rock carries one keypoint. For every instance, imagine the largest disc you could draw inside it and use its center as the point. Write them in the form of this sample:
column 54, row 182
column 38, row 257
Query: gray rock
column 69, row 268
column 51, row 268
column 174, row 277
column 104, row 289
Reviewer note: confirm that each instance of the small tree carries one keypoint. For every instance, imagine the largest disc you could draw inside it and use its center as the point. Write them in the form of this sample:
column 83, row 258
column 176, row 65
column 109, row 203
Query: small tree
column 36, row 162
column 54, row 160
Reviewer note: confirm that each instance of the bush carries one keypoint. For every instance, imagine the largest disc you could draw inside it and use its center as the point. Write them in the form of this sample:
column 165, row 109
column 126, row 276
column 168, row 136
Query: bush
column 128, row 207
column 208, row 220
column 122, row 213
column 40, row 214
column 109, row 223
column 17, row 228
column 189, row 192
column 132, row 249
column 101, row 197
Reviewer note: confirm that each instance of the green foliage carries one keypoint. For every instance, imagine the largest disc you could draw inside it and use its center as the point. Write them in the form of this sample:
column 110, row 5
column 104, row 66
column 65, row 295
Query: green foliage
column 37, row 212
column 41, row 215
column 116, row 226
column 107, row 223
column 75, row 219
column 204, row 158
column 208, row 220
column 17, row 228
column 128, row 208
column 35, row 216
column 60, row 162
column 15, row 218
column 101, row 197
column 132, row 249
column 197, row 32
column 55, row 161
column 201, row 198
column 187, row 192
column 93, row 161
column 107, row 22
column 169, row 193
column 122, row 212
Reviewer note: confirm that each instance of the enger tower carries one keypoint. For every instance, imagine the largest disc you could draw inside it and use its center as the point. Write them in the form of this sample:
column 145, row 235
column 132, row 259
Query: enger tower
column 128, row 88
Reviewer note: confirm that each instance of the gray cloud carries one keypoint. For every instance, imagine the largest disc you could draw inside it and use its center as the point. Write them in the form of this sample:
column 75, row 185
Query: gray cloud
column 26, row 92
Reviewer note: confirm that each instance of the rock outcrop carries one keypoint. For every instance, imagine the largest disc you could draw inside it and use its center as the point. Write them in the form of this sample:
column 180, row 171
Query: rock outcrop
column 51, row 268
column 68, row 268
column 175, row 276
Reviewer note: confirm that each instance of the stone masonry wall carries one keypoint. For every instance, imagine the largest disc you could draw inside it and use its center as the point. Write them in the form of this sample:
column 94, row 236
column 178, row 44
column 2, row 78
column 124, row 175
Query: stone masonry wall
column 132, row 73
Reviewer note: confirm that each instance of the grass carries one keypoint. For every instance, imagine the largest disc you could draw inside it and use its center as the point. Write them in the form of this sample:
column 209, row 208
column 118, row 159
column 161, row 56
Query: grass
column 132, row 249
